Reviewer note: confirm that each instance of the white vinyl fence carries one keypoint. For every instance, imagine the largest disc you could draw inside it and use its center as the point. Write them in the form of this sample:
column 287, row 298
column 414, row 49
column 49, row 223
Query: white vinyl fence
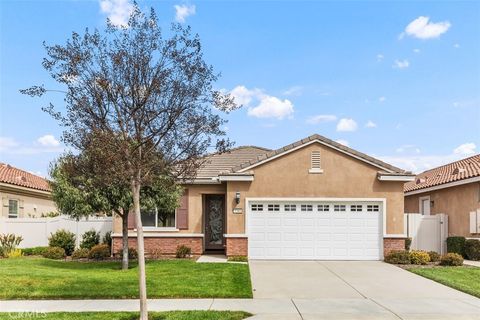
column 36, row 231
column 428, row 232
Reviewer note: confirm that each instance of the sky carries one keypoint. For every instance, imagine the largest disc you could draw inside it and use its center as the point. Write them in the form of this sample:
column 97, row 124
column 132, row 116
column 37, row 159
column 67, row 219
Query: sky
column 399, row 81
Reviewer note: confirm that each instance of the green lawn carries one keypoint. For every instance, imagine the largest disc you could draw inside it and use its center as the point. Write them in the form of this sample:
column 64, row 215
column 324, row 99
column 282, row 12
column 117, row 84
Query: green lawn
column 466, row 279
column 172, row 315
column 38, row 278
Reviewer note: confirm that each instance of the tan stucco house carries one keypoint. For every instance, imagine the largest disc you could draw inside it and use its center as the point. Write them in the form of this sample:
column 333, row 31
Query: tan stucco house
column 312, row 199
column 453, row 189
column 24, row 194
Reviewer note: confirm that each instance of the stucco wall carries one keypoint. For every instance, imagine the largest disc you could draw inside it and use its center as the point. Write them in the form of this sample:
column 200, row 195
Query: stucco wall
column 33, row 205
column 343, row 177
column 456, row 202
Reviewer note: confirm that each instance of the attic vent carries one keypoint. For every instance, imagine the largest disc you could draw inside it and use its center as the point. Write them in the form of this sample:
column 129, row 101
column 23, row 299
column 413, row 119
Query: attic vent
column 458, row 170
column 315, row 163
column 421, row 180
column 23, row 178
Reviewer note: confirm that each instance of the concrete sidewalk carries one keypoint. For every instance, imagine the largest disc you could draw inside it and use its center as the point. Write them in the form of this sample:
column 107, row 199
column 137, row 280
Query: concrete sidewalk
column 359, row 308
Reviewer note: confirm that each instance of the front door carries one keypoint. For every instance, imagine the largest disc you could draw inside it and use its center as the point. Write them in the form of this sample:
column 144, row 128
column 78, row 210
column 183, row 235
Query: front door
column 214, row 221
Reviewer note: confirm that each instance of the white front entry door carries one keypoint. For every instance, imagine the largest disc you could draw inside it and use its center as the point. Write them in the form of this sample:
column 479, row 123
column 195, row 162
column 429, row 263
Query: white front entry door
column 314, row 230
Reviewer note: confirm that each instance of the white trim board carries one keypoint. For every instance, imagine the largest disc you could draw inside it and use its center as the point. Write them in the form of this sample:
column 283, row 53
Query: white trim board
column 307, row 144
column 396, row 178
column 443, row 186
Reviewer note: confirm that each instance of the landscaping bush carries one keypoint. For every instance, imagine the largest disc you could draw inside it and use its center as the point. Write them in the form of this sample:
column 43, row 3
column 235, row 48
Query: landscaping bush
column 456, row 245
column 107, row 239
column 434, row 256
column 99, row 252
column 54, row 253
column 472, row 249
column 8, row 243
column 419, row 257
column 451, row 259
column 63, row 239
column 15, row 253
column 238, row 259
column 90, row 239
column 398, row 257
column 35, row 251
column 80, row 254
column 132, row 253
column 183, row 251
column 408, row 243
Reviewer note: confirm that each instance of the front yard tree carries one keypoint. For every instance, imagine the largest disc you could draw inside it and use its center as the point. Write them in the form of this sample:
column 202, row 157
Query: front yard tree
column 140, row 105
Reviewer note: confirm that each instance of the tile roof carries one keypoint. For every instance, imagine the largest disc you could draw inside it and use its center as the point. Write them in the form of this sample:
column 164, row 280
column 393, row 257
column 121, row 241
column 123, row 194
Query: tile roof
column 455, row 171
column 223, row 162
column 18, row 177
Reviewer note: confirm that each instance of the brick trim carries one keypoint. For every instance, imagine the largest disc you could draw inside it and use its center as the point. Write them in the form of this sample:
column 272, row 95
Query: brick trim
column 391, row 244
column 160, row 246
column 236, row 246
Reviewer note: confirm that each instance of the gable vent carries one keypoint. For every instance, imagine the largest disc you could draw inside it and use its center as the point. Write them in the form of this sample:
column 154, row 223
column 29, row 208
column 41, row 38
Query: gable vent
column 315, row 162
column 459, row 170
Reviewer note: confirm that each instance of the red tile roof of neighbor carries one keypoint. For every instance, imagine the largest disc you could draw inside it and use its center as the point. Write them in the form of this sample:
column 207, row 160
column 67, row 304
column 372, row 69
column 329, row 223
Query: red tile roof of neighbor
column 18, row 177
column 455, row 171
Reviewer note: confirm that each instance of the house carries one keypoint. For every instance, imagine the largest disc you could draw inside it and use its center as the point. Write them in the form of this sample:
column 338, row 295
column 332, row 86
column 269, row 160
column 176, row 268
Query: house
column 312, row 199
column 453, row 189
column 24, row 194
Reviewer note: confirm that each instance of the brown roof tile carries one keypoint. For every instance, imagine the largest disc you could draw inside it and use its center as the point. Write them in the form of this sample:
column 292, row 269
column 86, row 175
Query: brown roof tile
column 455, row 171
column 18, row 177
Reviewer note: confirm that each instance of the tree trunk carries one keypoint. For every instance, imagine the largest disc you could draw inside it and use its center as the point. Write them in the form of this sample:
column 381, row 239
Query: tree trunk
column 125, row 240
column 141, row 251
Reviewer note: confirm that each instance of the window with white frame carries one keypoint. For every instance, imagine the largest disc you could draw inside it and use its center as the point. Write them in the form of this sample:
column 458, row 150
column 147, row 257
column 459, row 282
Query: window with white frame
column 257, row 207
column 13, row 208
column 158, row 218
column 290, row 207
column 356, row 208
column 273, row 207
column 339, row 207
column 323, row 207
column 373, row 208
column 306, row 207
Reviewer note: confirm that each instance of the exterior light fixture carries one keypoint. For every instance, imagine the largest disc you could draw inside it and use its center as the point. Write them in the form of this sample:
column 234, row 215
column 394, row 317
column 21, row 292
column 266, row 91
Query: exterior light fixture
column 237, row 197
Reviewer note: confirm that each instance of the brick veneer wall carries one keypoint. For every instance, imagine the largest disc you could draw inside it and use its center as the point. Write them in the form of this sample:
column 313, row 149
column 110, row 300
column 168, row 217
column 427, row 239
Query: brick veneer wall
column 391, row 244
column 236, row 247
column 161, row 245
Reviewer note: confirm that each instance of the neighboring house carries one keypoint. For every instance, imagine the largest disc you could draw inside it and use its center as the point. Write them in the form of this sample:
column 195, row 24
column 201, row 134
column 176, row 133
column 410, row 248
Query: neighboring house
column 24, row 194
column 453, row 189
column 313, row 199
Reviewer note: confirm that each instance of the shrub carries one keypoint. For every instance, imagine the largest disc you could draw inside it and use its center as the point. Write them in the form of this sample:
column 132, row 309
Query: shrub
column 472, row 249
column 107, row 239
column 80, row 253
column 398, row 257
column 90, row 239
column 132, row 253
column 408, row 243
column 451, row 259
column 63, row 239
column 434, row 256
column 54, row 253
column 8, row 243
column 238, row 259
column 419, row 257
column 15, row 253
column 183, row 251
column 35, row 251
column 99, row 252
column 456, row 245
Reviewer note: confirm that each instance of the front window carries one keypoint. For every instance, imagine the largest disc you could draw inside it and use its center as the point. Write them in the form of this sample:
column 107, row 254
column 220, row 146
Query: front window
column 12, row 208
column 158, row 218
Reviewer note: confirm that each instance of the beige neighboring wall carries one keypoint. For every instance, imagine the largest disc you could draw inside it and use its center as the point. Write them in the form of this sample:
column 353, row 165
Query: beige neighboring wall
column 31, row 203
column 343, row 177
column 456, row 202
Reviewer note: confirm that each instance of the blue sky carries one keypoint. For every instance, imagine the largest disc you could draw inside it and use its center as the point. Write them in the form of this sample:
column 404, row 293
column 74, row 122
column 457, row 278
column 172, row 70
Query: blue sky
column 397, row 80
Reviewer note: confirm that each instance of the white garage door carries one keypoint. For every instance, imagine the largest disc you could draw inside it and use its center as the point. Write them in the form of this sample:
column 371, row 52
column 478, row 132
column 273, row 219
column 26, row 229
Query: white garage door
column 308, row 230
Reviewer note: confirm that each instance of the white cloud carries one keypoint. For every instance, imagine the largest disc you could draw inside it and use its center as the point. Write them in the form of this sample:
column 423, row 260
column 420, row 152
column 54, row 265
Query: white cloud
column 262, row 105
column 7, row 143
column 183, row 11
column 382, row 99
column 416, row 50
column 465, row 149
column 48, row 140
column 321, row 118
column 380, row 57
column 344, row 142
column 408, row 148
column 401, row 64
column 456, row 45
column 422, row 28
column 346, row 124
column 293, row 91
column 371, row 124
column 118, row 11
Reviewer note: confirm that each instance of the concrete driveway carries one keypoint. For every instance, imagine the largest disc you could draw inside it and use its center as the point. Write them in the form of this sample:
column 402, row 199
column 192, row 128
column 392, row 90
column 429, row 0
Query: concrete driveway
column 358, row 290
